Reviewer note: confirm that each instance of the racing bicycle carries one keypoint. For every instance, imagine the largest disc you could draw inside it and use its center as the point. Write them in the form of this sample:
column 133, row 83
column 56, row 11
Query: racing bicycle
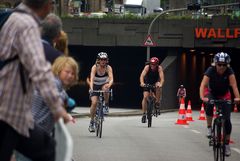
column 151, row 104
column 99, row 116
column 218, row 138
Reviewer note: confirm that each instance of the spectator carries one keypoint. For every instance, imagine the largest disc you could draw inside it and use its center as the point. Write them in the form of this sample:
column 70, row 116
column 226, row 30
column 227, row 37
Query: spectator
column 51, row 29
column 20, row 38
column 62, row 43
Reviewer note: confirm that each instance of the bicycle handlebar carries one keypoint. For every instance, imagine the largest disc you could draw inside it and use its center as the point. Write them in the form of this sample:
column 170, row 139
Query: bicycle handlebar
column 219, row 101
column 149, row 86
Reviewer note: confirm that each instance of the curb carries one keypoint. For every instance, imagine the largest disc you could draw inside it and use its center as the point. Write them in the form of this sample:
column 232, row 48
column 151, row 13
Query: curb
column 118, row 114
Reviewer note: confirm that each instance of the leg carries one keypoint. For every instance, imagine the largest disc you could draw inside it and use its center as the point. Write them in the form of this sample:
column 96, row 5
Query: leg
column 158, row 94
column 94, row 100
column 39, row 146
column 228, row 127
column 144, row 101
column 209, row 116
column 8, row 141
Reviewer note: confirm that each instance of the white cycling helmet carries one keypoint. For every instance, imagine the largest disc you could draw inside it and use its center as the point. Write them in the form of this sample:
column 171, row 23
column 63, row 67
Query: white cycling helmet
column 222, row 58
column 102, row 55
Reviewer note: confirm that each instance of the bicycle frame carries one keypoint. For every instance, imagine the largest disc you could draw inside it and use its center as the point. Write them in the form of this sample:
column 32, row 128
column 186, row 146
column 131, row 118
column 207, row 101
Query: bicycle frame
column 99, row 117
column 218, row 138
column 150, row 103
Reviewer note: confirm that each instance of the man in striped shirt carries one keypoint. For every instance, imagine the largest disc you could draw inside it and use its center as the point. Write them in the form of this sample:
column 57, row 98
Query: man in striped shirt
column 20, row 36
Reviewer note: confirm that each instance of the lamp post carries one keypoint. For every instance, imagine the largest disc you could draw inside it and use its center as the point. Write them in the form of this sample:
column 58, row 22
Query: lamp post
column 153, row 21
column 195, row 6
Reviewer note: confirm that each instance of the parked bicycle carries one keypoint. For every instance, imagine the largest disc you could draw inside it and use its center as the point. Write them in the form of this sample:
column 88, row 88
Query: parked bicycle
column 218, row 138
column 99, row 117
column 151, row 104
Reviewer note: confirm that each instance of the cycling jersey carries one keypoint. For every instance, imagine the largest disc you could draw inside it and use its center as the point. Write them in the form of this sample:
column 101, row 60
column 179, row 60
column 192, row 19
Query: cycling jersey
column 152, row 76
column 181, row 92
column 218, row 84
column 101, row 79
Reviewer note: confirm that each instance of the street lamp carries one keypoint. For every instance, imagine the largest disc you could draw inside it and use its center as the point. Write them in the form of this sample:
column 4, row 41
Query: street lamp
column 153, row 21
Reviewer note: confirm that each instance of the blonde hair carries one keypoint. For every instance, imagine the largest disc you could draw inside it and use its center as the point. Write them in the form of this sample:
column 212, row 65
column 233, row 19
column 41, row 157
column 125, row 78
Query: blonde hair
column 61, row 62
column 62, row 43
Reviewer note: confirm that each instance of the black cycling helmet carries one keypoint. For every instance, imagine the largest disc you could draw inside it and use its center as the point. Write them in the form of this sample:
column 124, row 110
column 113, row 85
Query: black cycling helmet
column 102, row 55
column 222, row 58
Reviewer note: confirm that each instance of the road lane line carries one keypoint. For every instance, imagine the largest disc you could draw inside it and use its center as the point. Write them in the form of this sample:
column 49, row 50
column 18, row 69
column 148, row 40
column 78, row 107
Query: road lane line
column 195, row 131
column 236, row 150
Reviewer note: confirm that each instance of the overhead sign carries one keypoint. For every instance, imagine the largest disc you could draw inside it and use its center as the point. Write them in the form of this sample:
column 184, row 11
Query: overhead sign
column 149, row 42
column 217, row 33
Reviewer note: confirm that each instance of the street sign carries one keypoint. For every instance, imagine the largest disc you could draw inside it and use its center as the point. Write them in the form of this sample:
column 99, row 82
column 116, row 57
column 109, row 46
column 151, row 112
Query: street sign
column 149, row 41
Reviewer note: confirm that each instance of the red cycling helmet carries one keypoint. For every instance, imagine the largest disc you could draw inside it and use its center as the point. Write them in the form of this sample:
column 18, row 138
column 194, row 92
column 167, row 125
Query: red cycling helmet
column 154, row 60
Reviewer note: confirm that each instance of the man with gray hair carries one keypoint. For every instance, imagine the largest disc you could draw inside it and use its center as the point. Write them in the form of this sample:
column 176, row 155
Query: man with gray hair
column 20, row 38
column 51, row 28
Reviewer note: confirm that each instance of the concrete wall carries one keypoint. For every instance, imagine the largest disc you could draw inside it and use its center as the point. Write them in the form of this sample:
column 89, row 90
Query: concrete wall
column 165, row 33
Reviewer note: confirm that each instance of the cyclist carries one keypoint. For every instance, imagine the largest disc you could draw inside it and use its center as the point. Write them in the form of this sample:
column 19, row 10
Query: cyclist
column 181, row 93
column 101, row 78
column 151, row 74
column 216, row 81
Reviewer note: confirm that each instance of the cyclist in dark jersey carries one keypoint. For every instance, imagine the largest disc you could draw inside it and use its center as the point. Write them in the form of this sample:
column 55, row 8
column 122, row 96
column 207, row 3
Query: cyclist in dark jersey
column 151, row 74
column 101, row 78
column 217, row 80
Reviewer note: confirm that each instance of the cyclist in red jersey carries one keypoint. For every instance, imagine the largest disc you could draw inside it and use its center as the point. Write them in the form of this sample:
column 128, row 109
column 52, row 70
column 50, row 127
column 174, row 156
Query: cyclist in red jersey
column 181, row 93
column 217, row 81
column 151, row 74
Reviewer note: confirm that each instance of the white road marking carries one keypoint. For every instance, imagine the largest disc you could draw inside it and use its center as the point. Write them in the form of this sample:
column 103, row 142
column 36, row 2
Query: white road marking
column 236, row 150
column 195, row 131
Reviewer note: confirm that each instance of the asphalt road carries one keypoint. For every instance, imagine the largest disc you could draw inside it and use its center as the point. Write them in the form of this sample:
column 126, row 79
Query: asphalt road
column 127, row 139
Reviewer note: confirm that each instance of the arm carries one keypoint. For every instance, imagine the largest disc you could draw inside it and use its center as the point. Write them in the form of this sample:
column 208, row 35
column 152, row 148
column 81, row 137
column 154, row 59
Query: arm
column 203, row 85
column 92, row 75
column 143, row 74
column 233, row 84
column 161, row 76
column 110, row 76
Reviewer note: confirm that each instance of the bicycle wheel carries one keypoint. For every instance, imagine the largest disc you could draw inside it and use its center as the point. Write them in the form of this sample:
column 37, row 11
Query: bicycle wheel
column 149, row 112
column 223, row 141
column 100, row 128
column 218, row 141
column 97, row 126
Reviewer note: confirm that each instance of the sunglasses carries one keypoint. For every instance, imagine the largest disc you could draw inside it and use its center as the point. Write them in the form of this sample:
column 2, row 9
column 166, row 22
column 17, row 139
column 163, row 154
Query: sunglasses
column 103, row 59
column 153, row 64
column 222, row 65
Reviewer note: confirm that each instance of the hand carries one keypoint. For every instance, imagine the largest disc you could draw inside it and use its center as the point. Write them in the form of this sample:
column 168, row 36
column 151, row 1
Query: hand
column 205, row 99
column 158, row 84
column 237, row 100
column 61, row 112
column 142, row 84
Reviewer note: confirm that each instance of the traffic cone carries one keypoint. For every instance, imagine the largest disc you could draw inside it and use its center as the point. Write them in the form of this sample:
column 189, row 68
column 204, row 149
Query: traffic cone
column 214, row 112
column 202, row 113
column 182, row 114
column 235, row 108
column 189, row 112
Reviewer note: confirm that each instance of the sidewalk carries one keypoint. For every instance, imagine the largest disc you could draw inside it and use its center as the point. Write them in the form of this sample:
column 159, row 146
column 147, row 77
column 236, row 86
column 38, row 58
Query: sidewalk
column 84, row 112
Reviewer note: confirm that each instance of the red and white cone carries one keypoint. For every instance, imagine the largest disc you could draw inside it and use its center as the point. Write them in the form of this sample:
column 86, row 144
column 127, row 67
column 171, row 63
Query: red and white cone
column 182, row 114
column 202, row 113
column 189, row 112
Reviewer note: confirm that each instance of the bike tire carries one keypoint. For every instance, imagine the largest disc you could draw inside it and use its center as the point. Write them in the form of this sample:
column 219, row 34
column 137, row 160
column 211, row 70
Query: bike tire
column 215, row 141
column 97, row 127
column 149, row 113
column 219, row 140
column 100, row 128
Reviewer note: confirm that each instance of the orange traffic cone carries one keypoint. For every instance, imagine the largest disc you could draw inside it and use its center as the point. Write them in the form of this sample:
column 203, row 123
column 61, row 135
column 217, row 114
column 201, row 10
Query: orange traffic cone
column 189, row 112
column 202, row 113
column 235, row 108
column 182, row 114
column 214, row 112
